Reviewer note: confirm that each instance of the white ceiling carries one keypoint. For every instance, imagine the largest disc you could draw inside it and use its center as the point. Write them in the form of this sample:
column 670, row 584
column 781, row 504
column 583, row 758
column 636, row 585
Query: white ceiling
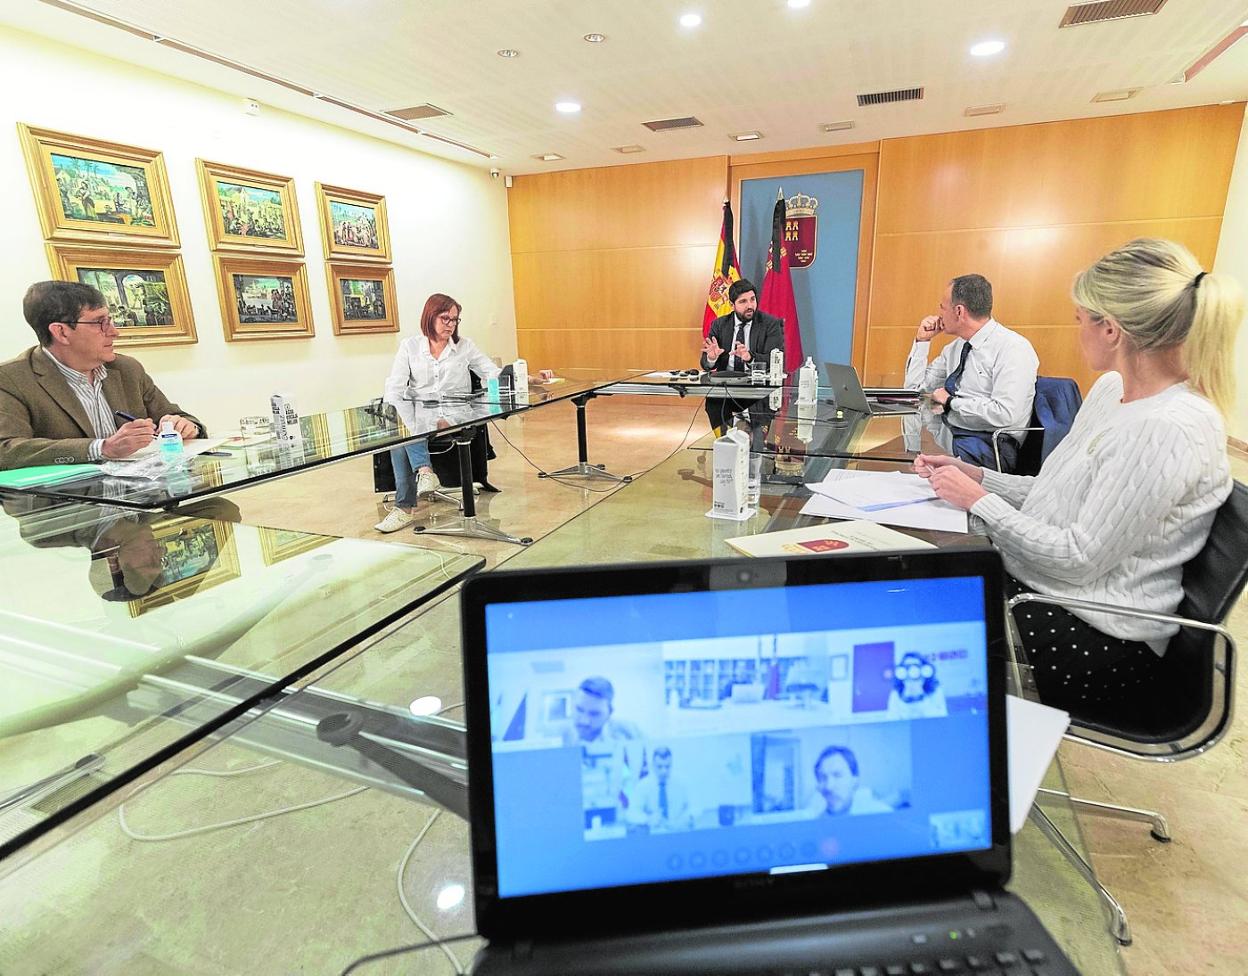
column 753, row 64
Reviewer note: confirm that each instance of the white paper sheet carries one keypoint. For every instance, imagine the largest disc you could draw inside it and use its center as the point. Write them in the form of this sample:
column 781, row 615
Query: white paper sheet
column 940, row 516
column 1034, row 731
column 878, row 490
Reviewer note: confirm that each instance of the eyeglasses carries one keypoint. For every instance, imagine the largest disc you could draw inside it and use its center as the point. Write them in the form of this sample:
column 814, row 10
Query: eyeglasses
column 447, row 320
column 101, row 324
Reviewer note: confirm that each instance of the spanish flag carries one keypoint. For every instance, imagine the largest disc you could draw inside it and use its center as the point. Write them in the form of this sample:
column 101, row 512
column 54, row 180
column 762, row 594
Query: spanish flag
column 726, row 272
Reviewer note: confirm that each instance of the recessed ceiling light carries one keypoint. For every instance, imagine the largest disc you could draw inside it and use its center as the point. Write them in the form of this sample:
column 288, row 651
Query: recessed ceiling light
column 745, row 136
column 975, row 110
column 595, row 38
column 986, row 49
column 690, row 20
column 1121, row 95
column 629, row 149
column 548, row 157
column 509, row 52
column 428, row 705
column 798, row 4
column 568, row 108
column 837, row 126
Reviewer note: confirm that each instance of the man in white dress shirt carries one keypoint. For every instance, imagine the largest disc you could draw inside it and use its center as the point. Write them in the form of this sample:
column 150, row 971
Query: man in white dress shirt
column 660, row 802
column 985, row 380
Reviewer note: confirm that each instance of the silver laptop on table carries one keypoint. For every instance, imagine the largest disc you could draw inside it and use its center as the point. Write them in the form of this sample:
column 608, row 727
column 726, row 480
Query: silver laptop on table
column 767, row 766
column 848, row 393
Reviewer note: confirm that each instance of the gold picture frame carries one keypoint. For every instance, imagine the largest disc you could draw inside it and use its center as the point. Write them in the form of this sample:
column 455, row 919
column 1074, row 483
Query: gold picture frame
column 145, row 290
column 362, row 298
column 246, row 210
column 92, row 191
column 279, row 544
column 354, row 226
column 263, row 298
column 197, row 554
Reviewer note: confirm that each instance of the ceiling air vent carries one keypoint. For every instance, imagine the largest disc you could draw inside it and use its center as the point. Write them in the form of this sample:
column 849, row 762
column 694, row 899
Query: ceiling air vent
column 418, row 112
column 885, row 98
column 1099, row 11
column 662, row 125
column 1121, row 95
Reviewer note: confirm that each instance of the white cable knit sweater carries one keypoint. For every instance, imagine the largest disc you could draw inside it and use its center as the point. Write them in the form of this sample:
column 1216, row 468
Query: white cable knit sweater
column 1120, row 505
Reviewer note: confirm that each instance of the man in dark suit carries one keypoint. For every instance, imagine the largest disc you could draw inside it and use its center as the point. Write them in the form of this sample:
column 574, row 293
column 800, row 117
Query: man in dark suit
column 60, row 400
column 742, row 337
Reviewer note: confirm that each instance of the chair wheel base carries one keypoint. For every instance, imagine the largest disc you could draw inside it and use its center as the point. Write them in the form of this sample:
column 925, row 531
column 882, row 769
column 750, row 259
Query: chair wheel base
column 1160, row 838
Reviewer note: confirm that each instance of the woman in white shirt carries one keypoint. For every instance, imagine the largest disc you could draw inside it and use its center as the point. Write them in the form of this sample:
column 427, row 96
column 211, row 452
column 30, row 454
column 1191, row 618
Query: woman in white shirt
column 1129, row 495
column 427, row 367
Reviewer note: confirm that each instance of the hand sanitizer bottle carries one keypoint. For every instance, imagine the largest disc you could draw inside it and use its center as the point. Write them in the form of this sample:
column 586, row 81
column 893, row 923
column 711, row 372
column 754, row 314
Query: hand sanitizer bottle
column 775, row 372
column 520, row 372
column 170, row 442
column 807, row 384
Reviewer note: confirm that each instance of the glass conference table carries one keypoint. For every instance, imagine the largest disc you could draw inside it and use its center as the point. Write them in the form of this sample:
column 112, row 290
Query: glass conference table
column 336, row 850
column 126, row 636
column 325, row 438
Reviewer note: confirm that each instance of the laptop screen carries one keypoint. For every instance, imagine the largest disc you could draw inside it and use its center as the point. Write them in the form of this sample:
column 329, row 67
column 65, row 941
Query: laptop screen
column 673, row 736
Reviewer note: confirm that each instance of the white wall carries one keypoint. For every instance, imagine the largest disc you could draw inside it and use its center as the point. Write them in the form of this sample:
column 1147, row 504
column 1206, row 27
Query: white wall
column 448, row 226
column 1232, row 259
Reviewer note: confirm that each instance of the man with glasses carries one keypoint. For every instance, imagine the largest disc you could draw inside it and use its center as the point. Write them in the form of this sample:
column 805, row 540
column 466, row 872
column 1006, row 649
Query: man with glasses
column 65, row 400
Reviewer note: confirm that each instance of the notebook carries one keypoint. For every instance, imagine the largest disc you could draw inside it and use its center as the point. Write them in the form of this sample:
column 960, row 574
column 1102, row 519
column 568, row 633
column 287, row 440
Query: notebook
column 774, row 766
column 848, row 394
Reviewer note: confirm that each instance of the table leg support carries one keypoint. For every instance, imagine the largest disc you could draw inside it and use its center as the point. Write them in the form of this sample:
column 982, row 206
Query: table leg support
column 583, row 469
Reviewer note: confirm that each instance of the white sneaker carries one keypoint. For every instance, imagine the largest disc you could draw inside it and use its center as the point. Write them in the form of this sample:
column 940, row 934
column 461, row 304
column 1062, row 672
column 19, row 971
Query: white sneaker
column 395, row 520
column 427, row 483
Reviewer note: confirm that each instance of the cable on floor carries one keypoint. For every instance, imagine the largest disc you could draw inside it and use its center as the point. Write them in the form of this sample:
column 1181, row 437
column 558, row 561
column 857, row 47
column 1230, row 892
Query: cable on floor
column 584, row 487
column 209, row 828
column 441, row 944
column 405, row 950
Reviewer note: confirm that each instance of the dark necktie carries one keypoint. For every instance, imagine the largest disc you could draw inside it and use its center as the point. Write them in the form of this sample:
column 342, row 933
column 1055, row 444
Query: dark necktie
column 955, row 378
column 732, row 350
column 663, row 800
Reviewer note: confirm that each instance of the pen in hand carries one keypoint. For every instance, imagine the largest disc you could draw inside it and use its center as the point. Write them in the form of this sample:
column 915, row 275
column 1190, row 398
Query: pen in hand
column 124, row 416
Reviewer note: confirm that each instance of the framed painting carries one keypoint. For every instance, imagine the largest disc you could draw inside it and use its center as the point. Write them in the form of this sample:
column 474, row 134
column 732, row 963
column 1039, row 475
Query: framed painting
column 279, row 544
column 362, row 298
column 246, row 210
column 145, row 290
column 195, row 554
column 92, row 191
column 263, row 298
column 353, row 224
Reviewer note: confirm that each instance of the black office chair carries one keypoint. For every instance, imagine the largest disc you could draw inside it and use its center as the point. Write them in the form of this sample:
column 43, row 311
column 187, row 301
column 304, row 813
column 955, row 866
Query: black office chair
column 1196, row 708
column 1053, row 410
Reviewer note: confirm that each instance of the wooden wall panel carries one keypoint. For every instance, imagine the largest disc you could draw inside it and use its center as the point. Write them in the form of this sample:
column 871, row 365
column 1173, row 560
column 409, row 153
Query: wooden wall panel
column 1125, row 167
column 648, row 205
column 1029, row 207
column 610, row 266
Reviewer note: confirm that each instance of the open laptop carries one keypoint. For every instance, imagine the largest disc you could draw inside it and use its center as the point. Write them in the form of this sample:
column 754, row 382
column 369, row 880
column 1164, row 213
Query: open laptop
column 848, row 393
column 845, row 813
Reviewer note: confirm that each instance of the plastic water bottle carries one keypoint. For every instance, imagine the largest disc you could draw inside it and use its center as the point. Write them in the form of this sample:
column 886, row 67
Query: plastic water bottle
column 775, row 372
column 520, row 374
column 807, row 384
column 170, row 444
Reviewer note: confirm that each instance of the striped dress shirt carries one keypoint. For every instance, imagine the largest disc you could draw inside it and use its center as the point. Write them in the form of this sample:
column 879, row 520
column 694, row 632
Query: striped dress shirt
column 90, row 393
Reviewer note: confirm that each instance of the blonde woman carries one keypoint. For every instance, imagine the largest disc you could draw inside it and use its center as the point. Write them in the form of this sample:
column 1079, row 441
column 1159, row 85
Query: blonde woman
column 1129, row 495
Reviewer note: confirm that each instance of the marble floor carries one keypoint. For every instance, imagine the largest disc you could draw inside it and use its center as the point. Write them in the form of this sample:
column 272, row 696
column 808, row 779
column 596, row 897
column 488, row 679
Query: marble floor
column 1187, row 900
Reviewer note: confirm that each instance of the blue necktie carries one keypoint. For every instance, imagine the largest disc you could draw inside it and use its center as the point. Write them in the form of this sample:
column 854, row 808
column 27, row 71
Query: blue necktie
column 954, row 378
column 663, row 800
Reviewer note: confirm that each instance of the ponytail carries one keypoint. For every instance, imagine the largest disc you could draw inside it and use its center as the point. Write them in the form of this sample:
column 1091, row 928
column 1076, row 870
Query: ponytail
column 1159, row 296
column 1209, row 350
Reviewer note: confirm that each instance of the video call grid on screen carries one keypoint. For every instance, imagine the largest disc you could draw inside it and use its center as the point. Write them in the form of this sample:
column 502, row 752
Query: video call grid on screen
column 639, row 739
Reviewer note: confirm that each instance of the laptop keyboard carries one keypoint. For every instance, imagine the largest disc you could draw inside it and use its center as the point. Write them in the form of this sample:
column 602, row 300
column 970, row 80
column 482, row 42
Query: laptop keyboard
column 1025, row 962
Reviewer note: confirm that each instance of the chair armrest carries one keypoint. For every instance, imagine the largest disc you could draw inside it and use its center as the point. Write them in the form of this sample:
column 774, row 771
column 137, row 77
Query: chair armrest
column 1108, row 608
column 996, row 434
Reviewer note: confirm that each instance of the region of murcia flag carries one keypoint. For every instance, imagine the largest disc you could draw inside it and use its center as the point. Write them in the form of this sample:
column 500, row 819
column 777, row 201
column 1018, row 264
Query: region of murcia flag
column 726, row 272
